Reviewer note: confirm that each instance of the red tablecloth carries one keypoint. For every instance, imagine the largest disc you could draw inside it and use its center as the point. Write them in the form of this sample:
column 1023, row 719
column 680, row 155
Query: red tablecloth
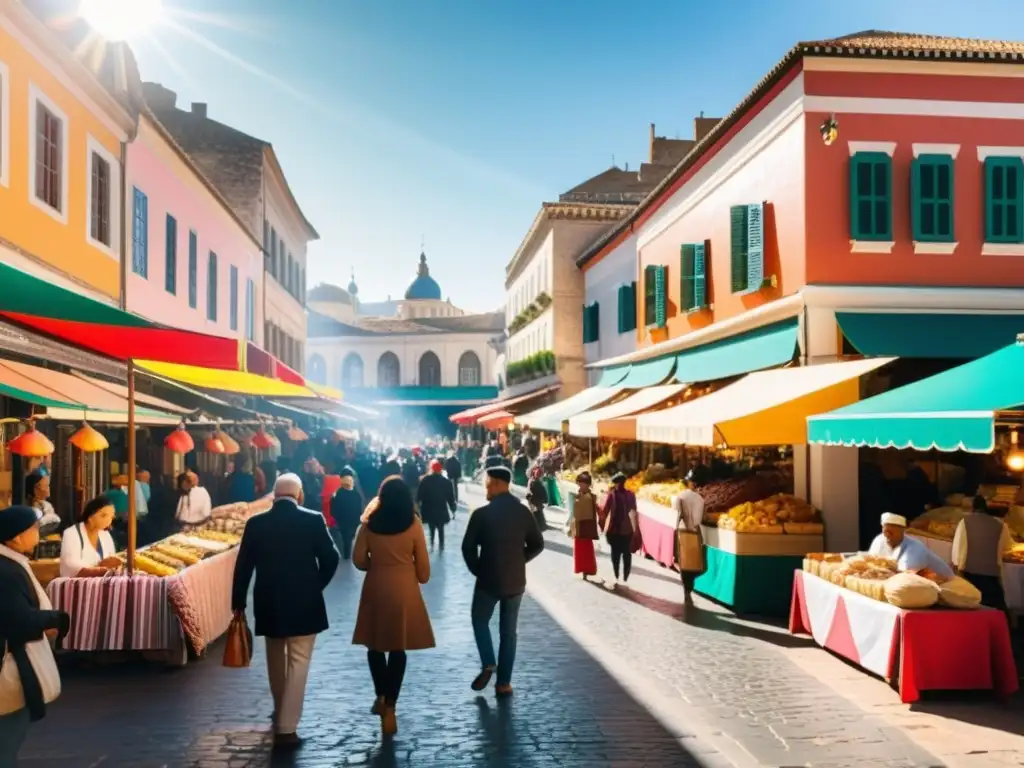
column 924, row 650
column 657, row 526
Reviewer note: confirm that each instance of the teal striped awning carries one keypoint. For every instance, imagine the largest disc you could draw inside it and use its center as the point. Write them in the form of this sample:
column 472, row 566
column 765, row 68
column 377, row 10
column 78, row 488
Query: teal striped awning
column 953, row 411
column 648, row 373
column 612, row 376
column 929, row 334
column 754, row 350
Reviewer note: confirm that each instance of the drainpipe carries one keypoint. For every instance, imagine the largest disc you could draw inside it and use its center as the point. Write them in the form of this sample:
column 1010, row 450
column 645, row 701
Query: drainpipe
column 263, row 257
column 123, row 224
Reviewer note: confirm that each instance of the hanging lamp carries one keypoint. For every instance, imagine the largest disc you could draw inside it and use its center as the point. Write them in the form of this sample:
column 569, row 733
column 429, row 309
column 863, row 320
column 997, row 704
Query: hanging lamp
column 88, row 440
column 180, row 441
column 214, row 445
column 31, row 443
column 296, row 435
column 231, row 446
column 262, row 440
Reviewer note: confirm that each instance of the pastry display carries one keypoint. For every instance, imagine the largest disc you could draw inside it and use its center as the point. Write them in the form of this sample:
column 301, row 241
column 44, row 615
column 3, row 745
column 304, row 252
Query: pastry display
column 781, row 513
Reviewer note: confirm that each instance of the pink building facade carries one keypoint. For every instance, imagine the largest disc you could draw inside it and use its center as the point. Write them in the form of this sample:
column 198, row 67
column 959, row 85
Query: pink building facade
column 190, row 262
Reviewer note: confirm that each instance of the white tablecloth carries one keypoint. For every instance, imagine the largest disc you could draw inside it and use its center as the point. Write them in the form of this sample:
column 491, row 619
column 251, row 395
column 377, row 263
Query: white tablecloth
column 1013, row 573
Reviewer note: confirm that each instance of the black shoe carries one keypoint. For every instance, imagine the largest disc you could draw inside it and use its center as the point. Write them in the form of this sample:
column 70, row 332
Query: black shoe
column 481, row 680
column 283, row 741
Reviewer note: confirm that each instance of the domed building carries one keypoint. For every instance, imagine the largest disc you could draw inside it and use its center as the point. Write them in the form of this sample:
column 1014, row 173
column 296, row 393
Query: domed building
column 417, row 359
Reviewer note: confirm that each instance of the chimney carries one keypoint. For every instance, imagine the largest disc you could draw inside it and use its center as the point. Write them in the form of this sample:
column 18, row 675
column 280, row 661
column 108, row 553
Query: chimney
column 702, row 126
column 199, row 108
column 650, row 153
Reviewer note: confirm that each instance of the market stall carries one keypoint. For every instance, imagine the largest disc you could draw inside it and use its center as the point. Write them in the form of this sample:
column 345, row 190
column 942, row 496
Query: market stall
column 177, row 601
column 915, row 649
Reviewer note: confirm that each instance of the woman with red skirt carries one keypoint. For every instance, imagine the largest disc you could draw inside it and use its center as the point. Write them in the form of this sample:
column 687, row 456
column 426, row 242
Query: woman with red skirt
column 583, row 528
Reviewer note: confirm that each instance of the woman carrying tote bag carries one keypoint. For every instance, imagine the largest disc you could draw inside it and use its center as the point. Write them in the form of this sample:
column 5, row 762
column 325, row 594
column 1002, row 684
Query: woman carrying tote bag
column 29, row 679
column 689, row 506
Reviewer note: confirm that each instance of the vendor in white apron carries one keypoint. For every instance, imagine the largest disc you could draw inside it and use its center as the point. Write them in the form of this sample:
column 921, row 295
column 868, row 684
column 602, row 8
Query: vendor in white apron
column 910, row 553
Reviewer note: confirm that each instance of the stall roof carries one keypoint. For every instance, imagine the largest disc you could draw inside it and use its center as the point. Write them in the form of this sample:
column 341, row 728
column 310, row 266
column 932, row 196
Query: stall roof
column 239, row 382
column 550, row 418
column 950, row 336
column 953, row 410
column 761, row 348
column 763, row 408
column 472, row 415
column 496, row 420
column 649, row 372
column 141, row 398
column 614, row 375
column 143, row 417
column 589, row 424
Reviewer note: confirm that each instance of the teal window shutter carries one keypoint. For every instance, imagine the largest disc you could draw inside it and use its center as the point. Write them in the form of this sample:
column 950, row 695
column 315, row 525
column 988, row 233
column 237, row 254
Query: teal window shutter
column 686, row 280
column 931, row 198
column 1004, row 200
column 661, row 296
column 595, row 321
column 700, row 291
column 739, row 242
column 621, row 303
column 650, row 294
column 632, row 307
column 755, row 247
column 871, row 196
column 586, row 324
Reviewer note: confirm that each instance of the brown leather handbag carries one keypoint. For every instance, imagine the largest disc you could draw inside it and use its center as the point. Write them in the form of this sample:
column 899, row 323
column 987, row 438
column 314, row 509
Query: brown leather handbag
column 238, row 648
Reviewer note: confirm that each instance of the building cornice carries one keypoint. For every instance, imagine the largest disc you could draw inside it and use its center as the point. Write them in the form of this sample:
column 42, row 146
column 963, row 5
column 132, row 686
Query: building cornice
column 563, row 212
column 270, row 157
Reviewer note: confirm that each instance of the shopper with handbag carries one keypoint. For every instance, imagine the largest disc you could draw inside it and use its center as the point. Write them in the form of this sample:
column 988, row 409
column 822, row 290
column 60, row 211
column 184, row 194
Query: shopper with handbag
column 29, row 679
column 293, row 558
column 392, row 620
column 583, row 528
column 620, row 524
column 689, row 506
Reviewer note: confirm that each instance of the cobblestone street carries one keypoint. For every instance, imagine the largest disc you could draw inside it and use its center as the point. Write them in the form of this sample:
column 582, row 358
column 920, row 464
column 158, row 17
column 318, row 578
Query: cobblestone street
column 604, row 678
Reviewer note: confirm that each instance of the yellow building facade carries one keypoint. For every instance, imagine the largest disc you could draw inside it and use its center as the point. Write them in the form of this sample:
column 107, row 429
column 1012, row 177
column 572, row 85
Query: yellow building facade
column 62, row 135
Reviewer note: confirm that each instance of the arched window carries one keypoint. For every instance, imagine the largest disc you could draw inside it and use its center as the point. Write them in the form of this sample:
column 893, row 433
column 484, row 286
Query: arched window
column 469, row 370
column 430, row 370
column 352, row 371
column 389, row 372
column 317, row 369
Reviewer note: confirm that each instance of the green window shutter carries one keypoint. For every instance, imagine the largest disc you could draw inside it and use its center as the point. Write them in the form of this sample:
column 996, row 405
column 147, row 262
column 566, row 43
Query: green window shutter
column 629, row 291
column 1004, row 200
column 738, row 239
column 586, row 324
column 931, row 198
column 650, row 294
column 755, row 247
column 686, row 270
column 661, row 296
column 700, row 291
column 622, row 308
column 595, row 322
column 871, row 196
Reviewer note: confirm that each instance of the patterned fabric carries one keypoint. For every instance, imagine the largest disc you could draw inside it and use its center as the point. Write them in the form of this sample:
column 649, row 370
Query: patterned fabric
column 114, row 612
column 180, row 603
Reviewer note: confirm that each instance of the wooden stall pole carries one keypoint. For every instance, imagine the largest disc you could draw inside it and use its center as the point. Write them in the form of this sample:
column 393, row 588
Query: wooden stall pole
column 132, row 519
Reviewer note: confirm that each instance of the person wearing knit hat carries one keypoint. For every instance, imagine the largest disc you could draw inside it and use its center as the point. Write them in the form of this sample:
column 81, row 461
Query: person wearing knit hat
column 29, row 622
column 436, row 499
column 909, row 552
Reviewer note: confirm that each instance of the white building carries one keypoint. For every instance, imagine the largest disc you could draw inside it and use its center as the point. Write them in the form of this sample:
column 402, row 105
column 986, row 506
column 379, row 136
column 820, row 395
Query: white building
column 428, row 354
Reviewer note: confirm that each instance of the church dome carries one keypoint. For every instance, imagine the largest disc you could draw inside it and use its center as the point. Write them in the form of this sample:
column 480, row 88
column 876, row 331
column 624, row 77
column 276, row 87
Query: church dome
column 424, row 287
column 353, row 289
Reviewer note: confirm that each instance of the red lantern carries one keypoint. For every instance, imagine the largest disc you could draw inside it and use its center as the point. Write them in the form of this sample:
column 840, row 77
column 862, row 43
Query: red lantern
column 88, row 440
column 231, row 446
column 296, row 435
column 262, row 440
column 214, row 445
column 31, row 444
column 180, row 441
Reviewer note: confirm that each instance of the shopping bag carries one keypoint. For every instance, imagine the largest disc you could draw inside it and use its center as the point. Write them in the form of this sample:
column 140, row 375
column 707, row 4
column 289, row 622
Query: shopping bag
column 238, row 648
column 690, row 551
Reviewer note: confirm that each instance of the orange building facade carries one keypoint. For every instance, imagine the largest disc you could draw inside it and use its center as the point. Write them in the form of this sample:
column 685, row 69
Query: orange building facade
column 876, row 174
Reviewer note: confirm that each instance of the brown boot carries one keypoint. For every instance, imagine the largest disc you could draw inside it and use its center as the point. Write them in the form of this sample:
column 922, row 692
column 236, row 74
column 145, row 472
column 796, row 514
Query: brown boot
column 388, row 721
column 378, row 706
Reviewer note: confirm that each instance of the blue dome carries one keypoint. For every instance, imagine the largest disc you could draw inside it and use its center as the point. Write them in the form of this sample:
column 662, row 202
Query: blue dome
column 424, row 287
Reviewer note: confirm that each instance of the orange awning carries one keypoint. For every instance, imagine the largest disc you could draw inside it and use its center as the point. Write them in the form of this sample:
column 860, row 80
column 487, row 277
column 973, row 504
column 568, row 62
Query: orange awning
column 496, row 420
column 473, row 415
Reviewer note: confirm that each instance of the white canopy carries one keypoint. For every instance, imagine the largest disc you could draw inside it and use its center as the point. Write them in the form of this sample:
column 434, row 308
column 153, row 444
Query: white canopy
column 586, row 424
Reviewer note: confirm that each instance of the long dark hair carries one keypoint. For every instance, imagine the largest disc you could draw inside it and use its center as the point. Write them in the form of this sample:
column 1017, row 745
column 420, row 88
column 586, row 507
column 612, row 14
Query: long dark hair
column 396, row 510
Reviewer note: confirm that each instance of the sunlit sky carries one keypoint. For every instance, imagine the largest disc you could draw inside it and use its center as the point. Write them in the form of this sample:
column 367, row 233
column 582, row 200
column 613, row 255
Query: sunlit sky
column 450, row 121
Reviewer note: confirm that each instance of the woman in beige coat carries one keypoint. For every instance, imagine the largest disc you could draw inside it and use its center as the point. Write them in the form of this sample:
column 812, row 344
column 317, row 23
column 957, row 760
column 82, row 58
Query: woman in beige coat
column 391, row 547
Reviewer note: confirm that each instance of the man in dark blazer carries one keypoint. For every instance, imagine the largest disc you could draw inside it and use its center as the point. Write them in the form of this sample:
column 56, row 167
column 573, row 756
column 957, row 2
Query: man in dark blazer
column 294, row 559
column 501, row 538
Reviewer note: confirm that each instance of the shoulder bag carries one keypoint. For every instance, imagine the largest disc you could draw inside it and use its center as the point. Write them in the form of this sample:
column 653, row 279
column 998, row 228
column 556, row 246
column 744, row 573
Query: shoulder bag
column 238, row 647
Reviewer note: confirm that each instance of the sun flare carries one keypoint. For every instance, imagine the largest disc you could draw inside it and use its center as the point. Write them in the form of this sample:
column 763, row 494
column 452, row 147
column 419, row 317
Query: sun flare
column 121, row 19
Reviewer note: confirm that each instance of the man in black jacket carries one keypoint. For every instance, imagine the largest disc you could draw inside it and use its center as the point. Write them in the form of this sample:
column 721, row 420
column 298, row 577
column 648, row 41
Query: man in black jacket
column 501, row 538
column 453, row 468
column 294, row 559
column 347, row 508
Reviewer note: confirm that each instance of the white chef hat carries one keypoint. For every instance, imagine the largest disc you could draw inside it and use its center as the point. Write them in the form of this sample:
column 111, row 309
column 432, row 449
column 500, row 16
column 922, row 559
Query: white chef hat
column 890, row 519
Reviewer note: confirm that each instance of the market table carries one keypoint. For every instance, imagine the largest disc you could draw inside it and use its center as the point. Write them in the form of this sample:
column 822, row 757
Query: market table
column 934, row 649
column 169, row 615
column 751, row 573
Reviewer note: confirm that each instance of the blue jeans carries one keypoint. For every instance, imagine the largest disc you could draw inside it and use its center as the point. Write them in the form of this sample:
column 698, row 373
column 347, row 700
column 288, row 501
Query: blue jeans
column 13, row 730
column 508, row 631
